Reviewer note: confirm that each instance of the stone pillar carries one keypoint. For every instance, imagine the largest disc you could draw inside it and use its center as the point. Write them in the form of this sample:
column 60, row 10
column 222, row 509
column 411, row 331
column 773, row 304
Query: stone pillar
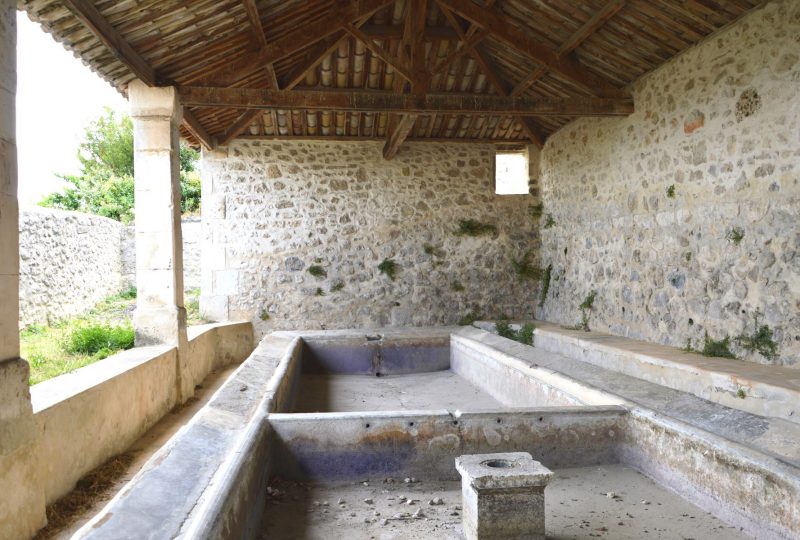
column 22, row 503
column 160, row 316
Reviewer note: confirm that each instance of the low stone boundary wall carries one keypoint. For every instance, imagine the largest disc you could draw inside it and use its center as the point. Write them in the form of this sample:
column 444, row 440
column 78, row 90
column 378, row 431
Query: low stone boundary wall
column 96, row 412
column 69, row 261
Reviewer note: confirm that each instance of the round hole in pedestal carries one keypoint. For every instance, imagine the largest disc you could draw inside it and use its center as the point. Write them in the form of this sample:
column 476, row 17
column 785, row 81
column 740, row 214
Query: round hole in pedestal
column 498, row 463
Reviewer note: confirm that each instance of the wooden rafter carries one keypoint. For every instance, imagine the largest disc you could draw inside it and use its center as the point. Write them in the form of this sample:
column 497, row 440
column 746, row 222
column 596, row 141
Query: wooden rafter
column 397, row 63
column 300, row 38
column 119, row 47
column 527, row 125
column 413, row 44
column 194, row 127
column 314, row 56
column 574, row 41
column 108, row 35
column 259, row 37
column 519, row 40
column 378, row 101
column 239, row 125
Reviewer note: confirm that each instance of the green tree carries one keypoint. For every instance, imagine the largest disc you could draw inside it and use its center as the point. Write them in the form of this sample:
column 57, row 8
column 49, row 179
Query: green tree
column 105, row 184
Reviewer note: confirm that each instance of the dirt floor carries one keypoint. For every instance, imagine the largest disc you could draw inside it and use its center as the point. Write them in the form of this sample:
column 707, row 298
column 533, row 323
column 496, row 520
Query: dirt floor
column 415, row 391
column 137, row 456
column 611, row 501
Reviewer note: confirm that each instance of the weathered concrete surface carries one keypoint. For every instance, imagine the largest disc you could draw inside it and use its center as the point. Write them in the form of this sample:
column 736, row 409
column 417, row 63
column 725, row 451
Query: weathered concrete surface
column 768, row 390
column 336, row 446
column 87, row 416
column 576, row 507
column 720, row 123
column 205, row 470
column 22, row 499
column 432, row 390
column 272, row 209
column 503, row 496
column 709, row 453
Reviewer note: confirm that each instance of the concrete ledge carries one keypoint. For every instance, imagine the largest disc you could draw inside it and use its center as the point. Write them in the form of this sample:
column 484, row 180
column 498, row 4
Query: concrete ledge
column 769, row 390
column 96, row 412
column 206, row 481
column 347, row 446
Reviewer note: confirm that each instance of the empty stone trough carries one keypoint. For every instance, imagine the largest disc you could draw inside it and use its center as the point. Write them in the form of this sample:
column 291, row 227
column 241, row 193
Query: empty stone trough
column 359, row 415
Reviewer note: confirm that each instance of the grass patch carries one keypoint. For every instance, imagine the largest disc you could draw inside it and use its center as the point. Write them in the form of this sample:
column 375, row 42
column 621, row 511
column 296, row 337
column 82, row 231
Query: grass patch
column 471, row 227
column 317, row 271
column 549, row 222
column 545, row 288
column 523, row 335
column 67, row 345
column 717, row 349
column 524, row 269
column 389, row 268
column 671, row 191
column 99, row 341
column 319, row 292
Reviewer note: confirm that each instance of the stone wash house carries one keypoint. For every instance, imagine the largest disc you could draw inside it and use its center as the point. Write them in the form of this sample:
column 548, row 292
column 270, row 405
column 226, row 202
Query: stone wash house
column 382, row 181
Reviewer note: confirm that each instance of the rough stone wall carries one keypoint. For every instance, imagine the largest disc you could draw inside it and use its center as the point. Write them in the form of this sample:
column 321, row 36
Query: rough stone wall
column 69, row 261
column 273, row 209
column 192, row 236
column 720, row 123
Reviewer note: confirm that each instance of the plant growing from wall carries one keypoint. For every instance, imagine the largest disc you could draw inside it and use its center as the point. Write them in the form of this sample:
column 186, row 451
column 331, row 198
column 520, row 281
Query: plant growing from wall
column 389, row 268
column 735, row 235
column 545, row 284
column 549, row 221
column 433, row 251
column 523, row 335
column 319, row 292
column 671, row 191
column 717, row 348
column 338, row 286
column 524, row 269
column 317, row 271
column 536, row 210
column 740, row 393
column 470, row 317
column 264, row 316
column 585, row 307
column 457, row 286
column 760, row 341
column 471, row 227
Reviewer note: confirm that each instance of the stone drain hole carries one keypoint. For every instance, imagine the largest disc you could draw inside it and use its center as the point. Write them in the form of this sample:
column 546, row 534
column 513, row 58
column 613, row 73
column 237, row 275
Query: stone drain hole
column 498, row 464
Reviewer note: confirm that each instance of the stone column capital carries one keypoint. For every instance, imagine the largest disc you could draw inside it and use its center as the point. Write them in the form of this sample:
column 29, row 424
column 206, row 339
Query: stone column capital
column 154, row 101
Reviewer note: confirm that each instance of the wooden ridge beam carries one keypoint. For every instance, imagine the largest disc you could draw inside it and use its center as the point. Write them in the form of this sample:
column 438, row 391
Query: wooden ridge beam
column 90, row 16
column 574, row 41
column 516, row 38
column 380, row 101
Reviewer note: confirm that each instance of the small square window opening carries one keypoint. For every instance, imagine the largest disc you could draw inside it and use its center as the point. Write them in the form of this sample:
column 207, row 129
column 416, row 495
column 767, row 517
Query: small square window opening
column 511, row 175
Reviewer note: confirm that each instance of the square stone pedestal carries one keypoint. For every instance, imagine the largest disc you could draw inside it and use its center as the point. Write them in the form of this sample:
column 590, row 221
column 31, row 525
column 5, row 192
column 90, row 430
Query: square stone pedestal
column 503, row 496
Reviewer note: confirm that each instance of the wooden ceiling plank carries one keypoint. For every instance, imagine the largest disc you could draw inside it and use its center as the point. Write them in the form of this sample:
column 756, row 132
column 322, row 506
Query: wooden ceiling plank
column 574, row 41
column 518, row 39
column 97, row 24
column 367, row 101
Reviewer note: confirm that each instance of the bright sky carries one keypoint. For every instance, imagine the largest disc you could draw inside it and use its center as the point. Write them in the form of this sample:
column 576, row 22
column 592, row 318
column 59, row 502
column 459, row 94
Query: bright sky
column 57, row 96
